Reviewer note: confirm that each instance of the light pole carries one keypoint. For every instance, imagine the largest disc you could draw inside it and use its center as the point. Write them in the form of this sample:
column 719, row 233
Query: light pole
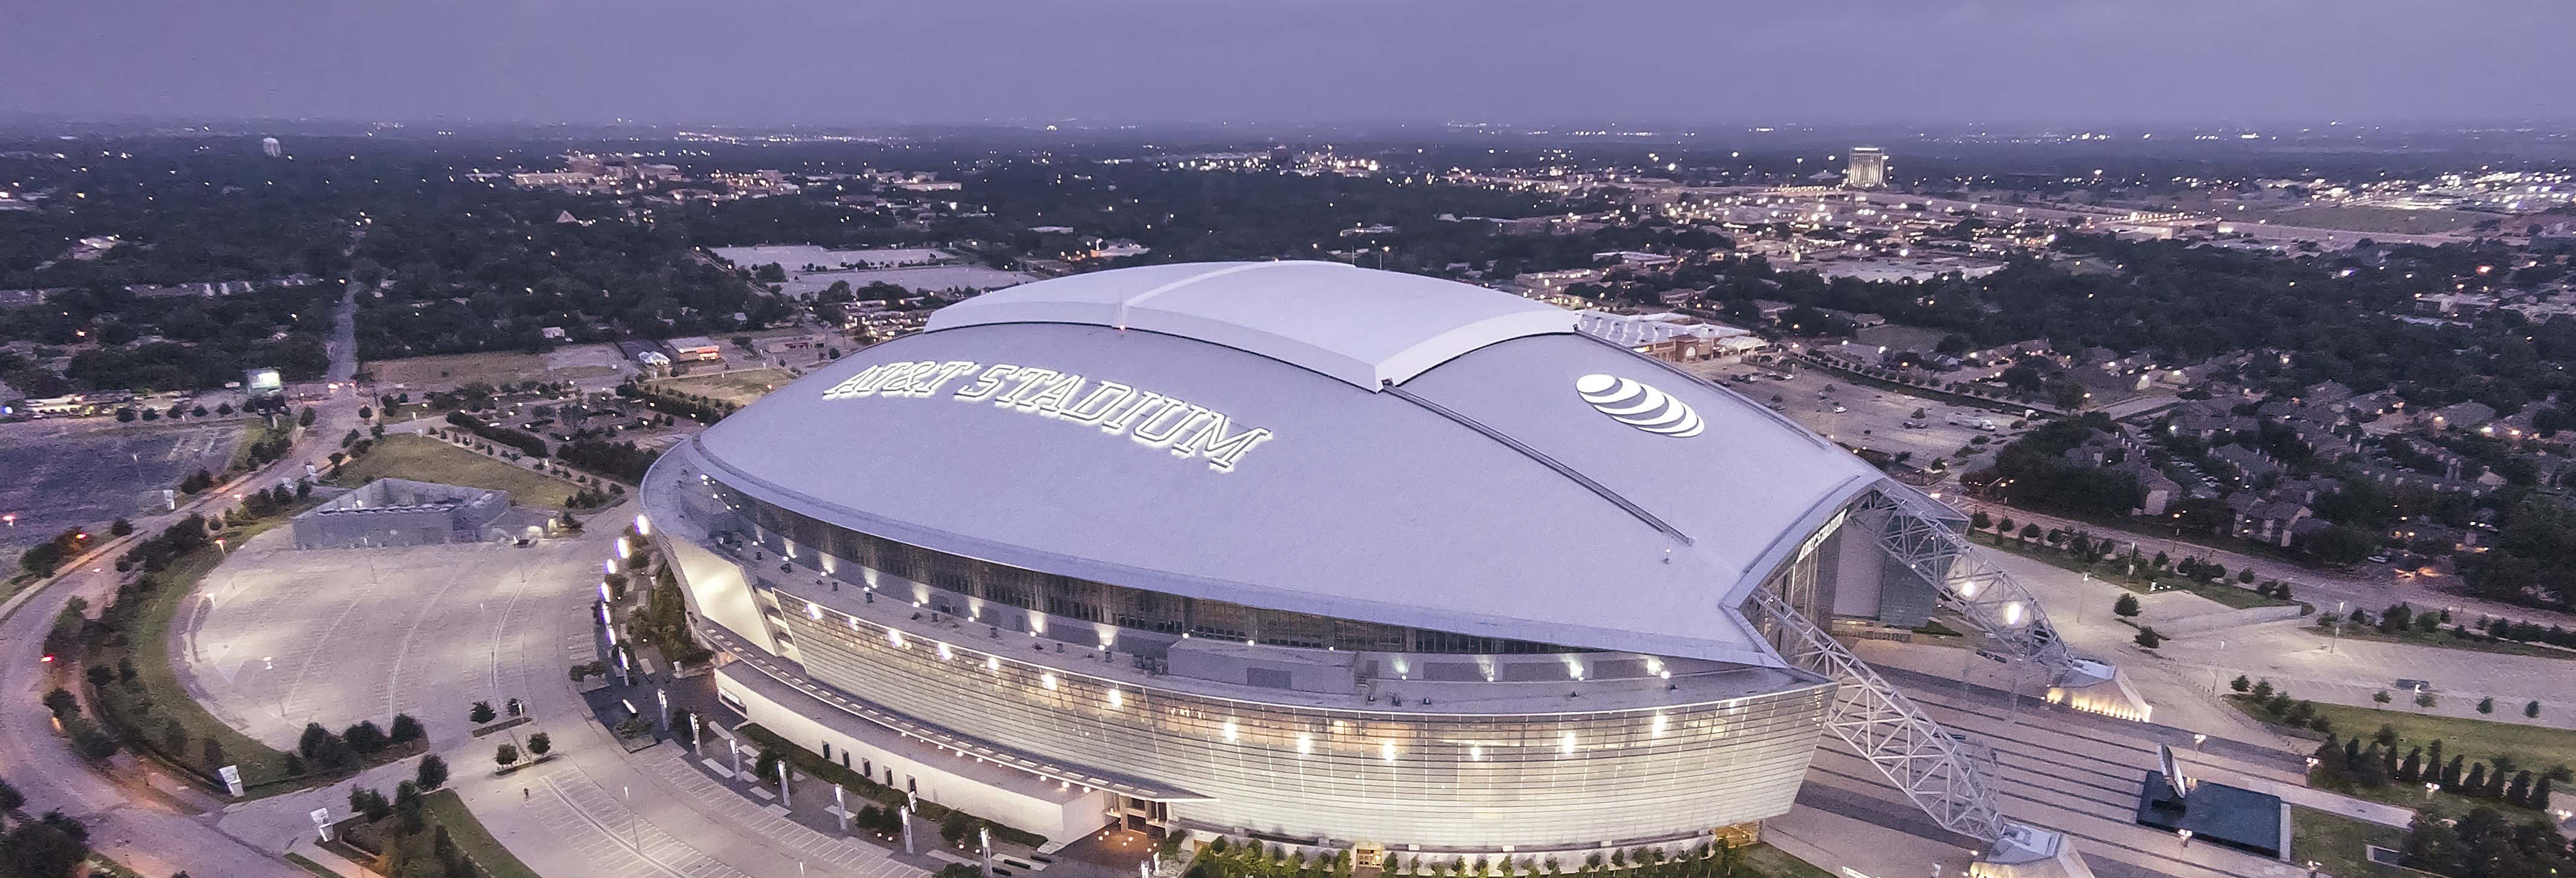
column 2430, row 789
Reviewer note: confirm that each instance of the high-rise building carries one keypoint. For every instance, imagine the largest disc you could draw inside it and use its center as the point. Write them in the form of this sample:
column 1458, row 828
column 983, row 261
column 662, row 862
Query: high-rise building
column 270, row 147
column 1868, row 168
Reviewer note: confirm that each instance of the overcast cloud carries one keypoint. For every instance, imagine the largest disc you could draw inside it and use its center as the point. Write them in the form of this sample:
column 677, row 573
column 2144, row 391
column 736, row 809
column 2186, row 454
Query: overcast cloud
column 1705, row 62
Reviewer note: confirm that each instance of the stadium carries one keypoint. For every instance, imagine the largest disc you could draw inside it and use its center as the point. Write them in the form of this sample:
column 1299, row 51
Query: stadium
column 1318, row 555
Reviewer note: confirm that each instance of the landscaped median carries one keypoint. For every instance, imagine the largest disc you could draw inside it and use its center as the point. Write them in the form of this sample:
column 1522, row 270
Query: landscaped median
column 424, row 834
column 2411, row 759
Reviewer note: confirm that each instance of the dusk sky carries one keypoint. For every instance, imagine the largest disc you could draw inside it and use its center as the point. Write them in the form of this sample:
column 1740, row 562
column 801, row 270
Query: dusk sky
column 1695, row 62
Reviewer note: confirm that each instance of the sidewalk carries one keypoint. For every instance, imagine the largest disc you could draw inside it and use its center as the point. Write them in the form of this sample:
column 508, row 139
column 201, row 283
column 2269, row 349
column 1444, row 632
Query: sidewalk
column 596, row 809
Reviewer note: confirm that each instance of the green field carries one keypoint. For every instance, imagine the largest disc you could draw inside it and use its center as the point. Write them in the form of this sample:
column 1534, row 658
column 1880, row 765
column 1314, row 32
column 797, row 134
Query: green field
column 2365, row 218
column 738, row 388
column 2336, row 842
column 420, row 458
column 445, row 809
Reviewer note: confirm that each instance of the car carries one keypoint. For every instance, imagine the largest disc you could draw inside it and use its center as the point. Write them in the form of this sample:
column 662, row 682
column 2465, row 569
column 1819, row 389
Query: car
column 1839, row 410
column 2379, row 559
column 1916, row 425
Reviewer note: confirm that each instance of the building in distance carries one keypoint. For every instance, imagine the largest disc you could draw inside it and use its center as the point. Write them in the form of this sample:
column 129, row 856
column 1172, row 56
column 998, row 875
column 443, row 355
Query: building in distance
column 1868, row 168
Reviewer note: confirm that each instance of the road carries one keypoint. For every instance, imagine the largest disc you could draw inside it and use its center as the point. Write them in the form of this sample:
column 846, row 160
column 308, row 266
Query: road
column 149, row 833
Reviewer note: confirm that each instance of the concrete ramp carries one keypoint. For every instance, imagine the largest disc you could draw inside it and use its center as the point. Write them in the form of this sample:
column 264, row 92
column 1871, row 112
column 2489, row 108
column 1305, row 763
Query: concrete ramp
column 2207, row 622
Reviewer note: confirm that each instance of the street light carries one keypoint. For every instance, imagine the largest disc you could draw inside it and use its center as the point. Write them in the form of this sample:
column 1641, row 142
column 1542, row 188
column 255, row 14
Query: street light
column 2185, row 835
column 2430, row 789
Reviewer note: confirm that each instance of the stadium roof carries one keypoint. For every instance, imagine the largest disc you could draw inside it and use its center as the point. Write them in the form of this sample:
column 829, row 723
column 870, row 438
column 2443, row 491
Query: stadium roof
column 1480, row 492
column 1367, row 328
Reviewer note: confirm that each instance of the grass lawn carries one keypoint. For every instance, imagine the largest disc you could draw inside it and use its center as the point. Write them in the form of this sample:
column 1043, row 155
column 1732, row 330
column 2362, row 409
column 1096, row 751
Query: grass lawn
column 1773, row 862
column 739, row 388
column 445, row 809
column 420, row 458
column 2115, row 571
column 308, row 865
column 2336, row 842
column 456, row 370
column 2533, row 747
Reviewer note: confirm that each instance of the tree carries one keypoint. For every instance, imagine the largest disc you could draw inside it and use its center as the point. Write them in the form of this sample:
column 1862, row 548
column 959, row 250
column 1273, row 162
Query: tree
column 10, row 798
column 52, row 847
column 1980, row 520
column 432, row 773
column 62, row 702
column 370, row 804
column 2424, row 699
column 2126, row 607
column 2486, row 705
column 482, row 713
column 405, row 730
column 213, row 752
column 364, row 737
column 2147, row 637
column 120, row 527
column 539, row 744
column 2029, row 532
column 2240, row 684
column 507, row 755
column 408, row 804
column 2263, row 691
column 305, row 417
column 2380, row 696
column 315, row 742
column 2531, row 710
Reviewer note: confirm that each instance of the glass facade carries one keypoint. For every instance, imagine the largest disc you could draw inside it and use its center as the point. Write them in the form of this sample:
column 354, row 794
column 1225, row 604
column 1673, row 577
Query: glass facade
column 1550, row 777
column 805, row 539
column 1465, row 781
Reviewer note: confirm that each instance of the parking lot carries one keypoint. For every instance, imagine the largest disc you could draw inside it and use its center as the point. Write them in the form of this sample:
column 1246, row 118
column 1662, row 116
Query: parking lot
column 1866, row 417
column 84, row 472
column 278, row 637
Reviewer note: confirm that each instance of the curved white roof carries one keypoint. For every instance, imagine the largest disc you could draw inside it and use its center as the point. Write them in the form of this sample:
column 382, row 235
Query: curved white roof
column 1482, row 493
column 1365, row 327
